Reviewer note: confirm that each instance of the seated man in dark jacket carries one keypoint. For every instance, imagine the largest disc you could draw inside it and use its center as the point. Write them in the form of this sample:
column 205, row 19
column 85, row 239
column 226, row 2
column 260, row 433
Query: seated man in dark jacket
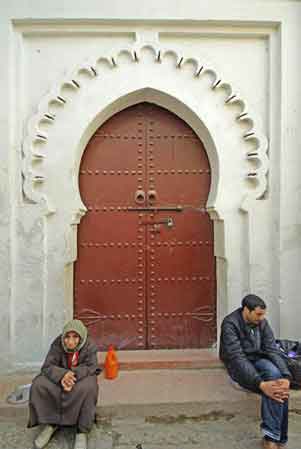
column 250, row 354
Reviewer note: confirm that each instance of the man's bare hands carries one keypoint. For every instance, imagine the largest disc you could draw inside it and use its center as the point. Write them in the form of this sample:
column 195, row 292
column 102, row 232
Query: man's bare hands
column 276, row 389
column 68, row 381
column 285, row 385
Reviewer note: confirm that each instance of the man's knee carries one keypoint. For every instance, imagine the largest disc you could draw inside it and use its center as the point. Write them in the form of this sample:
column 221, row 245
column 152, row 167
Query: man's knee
column 273, row 372
column 38, row 388
column 38, row 385
column 268, row 370
column 88, row 386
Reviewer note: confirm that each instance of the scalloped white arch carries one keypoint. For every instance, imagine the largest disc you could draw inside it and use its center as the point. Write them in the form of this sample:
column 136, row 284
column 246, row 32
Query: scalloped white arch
column 121, row 78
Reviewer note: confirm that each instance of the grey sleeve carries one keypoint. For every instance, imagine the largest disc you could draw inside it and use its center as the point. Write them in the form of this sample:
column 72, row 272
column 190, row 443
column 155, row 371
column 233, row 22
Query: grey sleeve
column 52, row 368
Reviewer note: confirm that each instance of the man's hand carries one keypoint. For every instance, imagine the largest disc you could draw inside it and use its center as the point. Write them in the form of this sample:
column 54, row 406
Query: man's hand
column 276, row 389
column 285, row 385
column 68, row 381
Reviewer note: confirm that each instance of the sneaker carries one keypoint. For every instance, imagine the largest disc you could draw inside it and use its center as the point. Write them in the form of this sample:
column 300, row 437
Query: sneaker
column 80, row 441
column 44, row 437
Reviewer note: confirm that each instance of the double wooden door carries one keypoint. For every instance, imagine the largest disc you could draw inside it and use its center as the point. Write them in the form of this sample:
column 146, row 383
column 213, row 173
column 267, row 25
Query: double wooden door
column 145, row 273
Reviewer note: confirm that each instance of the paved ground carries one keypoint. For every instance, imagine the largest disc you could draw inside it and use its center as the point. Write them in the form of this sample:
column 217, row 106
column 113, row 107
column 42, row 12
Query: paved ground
column 207, row 431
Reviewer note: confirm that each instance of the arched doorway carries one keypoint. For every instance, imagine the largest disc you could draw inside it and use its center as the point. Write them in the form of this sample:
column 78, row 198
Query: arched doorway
column 145, row 273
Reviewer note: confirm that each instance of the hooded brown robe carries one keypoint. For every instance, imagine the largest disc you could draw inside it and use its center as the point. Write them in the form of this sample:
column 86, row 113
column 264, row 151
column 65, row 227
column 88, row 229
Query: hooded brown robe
column 50, row 404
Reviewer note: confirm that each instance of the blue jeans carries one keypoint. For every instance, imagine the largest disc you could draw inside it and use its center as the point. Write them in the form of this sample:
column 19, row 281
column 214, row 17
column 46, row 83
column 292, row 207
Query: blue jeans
column 274, row 415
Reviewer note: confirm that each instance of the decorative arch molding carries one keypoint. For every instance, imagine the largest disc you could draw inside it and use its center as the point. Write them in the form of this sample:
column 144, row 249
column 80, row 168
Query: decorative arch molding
column 153, row 69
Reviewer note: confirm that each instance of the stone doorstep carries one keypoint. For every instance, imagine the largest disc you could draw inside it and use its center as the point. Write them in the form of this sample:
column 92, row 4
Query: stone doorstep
column 164, row 382
column 132, row 360
column 204, row 393
column 171, row 392
column 165, row 359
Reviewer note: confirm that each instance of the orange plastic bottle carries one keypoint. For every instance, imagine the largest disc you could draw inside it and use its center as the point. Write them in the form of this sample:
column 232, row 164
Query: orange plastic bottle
column 111, row 364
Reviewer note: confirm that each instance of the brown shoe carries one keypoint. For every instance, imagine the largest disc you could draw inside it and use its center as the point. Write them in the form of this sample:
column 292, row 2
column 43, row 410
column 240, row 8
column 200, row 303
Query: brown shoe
column 266, row 444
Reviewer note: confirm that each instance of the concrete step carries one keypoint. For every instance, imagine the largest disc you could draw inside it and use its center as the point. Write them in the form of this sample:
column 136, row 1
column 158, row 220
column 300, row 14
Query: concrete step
column 166, row 359
column 172, row 392
column 203, row 393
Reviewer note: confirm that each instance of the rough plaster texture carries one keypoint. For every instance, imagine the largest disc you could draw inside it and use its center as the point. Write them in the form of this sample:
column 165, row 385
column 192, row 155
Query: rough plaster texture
column 209, row 63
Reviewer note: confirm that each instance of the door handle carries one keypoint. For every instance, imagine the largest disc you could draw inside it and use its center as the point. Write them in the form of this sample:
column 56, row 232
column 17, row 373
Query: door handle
column 140, row 196
column 152, row 196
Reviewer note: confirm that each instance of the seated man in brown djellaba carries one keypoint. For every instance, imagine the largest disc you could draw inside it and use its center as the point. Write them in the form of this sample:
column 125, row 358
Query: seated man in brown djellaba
column 66, row 390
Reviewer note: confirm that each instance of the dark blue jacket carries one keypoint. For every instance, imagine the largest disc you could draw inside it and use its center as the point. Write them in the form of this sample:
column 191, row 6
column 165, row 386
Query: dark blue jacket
column 241, row 344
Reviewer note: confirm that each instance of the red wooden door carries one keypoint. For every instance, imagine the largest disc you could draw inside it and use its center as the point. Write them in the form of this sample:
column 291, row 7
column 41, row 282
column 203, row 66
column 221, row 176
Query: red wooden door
column 145, row 274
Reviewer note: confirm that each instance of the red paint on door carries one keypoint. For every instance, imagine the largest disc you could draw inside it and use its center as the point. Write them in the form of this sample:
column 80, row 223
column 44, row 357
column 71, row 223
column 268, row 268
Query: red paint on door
column 145, row 274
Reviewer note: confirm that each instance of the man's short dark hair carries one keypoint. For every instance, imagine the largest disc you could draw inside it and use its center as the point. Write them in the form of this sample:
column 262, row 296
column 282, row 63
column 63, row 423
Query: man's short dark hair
column 253, row 301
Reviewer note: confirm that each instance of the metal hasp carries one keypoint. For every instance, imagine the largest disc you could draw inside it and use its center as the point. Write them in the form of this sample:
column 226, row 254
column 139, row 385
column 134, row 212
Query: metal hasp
column 145, row 273
column 157, row 224
column 169, row 222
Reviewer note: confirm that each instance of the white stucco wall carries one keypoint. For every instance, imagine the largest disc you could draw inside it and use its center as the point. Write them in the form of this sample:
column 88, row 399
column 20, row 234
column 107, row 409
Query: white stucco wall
column 246, row 49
